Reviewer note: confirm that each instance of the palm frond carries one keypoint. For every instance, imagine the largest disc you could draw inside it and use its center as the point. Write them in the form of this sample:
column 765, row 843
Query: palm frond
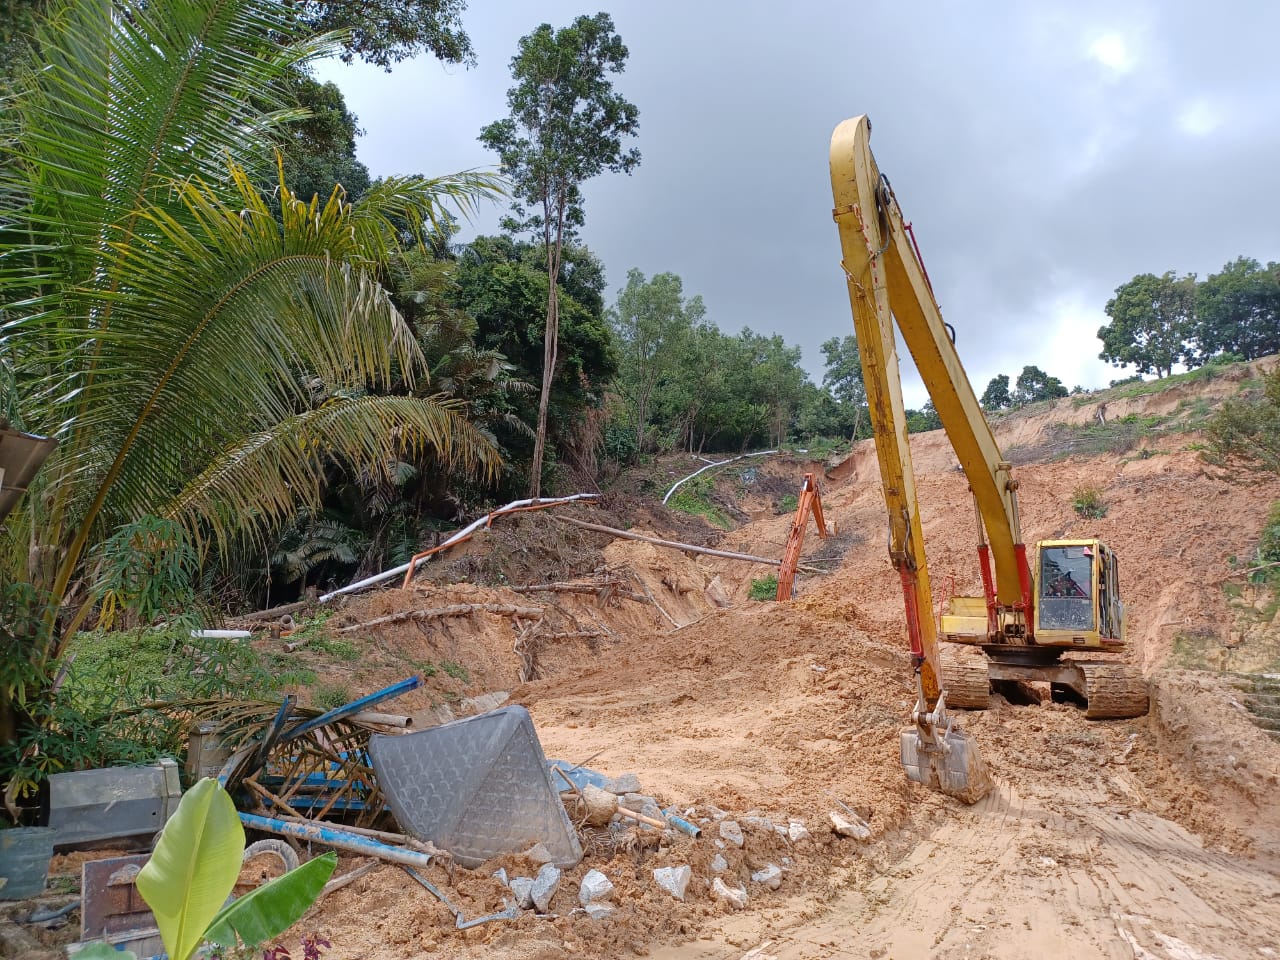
column 261, row 481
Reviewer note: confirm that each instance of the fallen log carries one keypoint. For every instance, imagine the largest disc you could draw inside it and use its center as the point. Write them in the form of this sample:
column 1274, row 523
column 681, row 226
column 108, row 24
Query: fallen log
column 611, row 588
column 676, row 545
column 455, row 610
column 274, row 613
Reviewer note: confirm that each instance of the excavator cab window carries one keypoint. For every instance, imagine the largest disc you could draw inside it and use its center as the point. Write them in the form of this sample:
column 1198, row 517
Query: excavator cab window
column 1066, row 588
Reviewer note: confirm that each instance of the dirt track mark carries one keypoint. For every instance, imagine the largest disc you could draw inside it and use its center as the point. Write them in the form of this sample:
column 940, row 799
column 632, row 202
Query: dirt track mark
column 1049, row 874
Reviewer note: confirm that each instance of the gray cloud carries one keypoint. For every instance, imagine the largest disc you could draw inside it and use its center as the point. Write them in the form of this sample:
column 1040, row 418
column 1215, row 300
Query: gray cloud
column 1046, row 153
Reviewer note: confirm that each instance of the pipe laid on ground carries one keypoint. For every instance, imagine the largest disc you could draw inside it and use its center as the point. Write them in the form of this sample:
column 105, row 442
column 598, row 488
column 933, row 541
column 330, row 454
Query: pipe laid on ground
column 718, row 463
column 454, row 538
column 337, row 838
column 385, row 719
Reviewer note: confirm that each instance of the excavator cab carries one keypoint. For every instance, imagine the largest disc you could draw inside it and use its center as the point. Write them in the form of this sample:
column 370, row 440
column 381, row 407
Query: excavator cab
column 1078, row 595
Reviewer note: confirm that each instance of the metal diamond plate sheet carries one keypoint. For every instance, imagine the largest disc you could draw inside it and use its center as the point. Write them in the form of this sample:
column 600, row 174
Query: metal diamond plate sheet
column 477, row 787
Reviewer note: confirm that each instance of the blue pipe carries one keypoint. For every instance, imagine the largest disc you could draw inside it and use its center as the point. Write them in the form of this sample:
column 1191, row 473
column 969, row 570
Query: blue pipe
column 338, row 839
column 681, row 824
column 355, row 706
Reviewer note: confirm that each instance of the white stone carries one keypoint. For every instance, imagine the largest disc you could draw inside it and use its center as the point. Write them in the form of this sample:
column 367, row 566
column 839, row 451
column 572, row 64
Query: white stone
column 759, row 823
column 627, row 783
column 716, row 812
column 770, row 876
column 501, row 876
column 674, row 880
column 730, row 832
column 544, row 887
column 595, row 886
column 522, row 889
column 599, row 911
column 719, row 864
column 845, row 827
column 736, row 897
column 797, row 831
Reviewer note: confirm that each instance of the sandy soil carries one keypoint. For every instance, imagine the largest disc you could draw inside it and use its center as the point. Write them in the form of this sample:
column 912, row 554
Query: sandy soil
column 1156, row 838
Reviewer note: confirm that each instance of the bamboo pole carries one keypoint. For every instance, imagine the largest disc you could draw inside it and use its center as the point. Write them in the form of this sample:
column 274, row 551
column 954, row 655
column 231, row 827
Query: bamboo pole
column 456, row 610
column 676, row 545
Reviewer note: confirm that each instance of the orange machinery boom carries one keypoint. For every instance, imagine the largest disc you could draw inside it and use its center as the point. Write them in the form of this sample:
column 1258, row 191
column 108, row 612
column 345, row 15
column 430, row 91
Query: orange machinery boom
column 810, row 502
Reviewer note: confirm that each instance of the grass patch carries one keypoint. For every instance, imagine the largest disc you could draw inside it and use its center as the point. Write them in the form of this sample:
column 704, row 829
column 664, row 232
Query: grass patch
column 765, row 588
column 695, row 497
column 456, row 670
column 330, row 696
column 339, row 649
column 1118, row 436
column 788, row 504
column 1088, row 503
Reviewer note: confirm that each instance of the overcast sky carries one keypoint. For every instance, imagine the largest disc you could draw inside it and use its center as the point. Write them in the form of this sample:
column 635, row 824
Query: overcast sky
column 1045, row 151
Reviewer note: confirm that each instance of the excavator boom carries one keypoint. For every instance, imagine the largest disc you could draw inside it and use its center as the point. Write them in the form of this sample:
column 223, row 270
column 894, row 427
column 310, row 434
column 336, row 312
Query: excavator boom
column 884, row 278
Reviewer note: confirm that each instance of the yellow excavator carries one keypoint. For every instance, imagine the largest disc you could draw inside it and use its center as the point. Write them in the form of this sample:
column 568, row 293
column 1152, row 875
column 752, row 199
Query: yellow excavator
column 1063, row 596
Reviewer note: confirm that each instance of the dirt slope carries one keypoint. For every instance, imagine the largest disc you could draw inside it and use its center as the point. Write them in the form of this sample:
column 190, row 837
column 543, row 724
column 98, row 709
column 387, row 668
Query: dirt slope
column 1150, row 838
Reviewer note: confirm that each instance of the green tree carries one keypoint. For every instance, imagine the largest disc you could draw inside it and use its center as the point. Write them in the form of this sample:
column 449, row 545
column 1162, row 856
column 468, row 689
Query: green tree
column 843, row 377
column 383, row 32
column 566, row 126
column 653, row 322
column 1238, row 310
column 320, row 152
column 503, row 284
column 1152, row 320
column 1034, row 384
column 200, row 353
column 997, row 396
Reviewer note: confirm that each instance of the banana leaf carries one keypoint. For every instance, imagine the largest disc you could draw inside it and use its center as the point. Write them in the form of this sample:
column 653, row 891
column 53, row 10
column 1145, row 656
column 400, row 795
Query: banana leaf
column 273, row 908
column 194, row 867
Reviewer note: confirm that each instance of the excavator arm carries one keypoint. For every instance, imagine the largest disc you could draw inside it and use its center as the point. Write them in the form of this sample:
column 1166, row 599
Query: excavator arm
column 886, row 280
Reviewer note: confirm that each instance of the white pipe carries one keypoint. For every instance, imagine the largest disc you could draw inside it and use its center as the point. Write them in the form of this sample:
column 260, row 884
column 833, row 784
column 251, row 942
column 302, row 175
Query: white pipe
column 453, row 538
column 222, row 634
column 718, row 463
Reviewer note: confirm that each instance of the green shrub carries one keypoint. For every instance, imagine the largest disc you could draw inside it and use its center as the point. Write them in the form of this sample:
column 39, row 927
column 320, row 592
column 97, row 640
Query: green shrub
column 1088, row 503
column 788, row 504
column 1247, row 428
column 765, row 588
column 1269, row 549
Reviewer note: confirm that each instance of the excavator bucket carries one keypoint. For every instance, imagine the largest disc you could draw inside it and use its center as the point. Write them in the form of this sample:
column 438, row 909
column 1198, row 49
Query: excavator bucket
column 949, row 763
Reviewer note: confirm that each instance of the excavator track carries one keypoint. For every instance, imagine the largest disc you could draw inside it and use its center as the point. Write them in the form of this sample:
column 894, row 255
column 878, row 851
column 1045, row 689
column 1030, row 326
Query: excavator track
column 964, row 678
column 1115, row 691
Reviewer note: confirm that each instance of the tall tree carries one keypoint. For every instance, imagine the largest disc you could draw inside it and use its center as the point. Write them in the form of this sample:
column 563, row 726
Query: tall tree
column 843, row 377
column 653, row 322
column 1034, row 384
column 997, row 396
column 1238, row 310
column 1152, row 322
column 566, row 125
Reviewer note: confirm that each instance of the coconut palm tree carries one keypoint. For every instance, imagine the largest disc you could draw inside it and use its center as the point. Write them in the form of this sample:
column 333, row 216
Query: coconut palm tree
column 201, row 352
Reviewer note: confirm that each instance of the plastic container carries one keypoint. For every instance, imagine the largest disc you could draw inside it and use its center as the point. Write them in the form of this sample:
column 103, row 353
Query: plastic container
column 25, row 853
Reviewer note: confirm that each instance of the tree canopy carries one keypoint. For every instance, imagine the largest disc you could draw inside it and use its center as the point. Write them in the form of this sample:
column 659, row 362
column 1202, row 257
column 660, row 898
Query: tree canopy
column 1034, row 384
column 654, row 324
column 1152, row 322
column 1238, row 311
